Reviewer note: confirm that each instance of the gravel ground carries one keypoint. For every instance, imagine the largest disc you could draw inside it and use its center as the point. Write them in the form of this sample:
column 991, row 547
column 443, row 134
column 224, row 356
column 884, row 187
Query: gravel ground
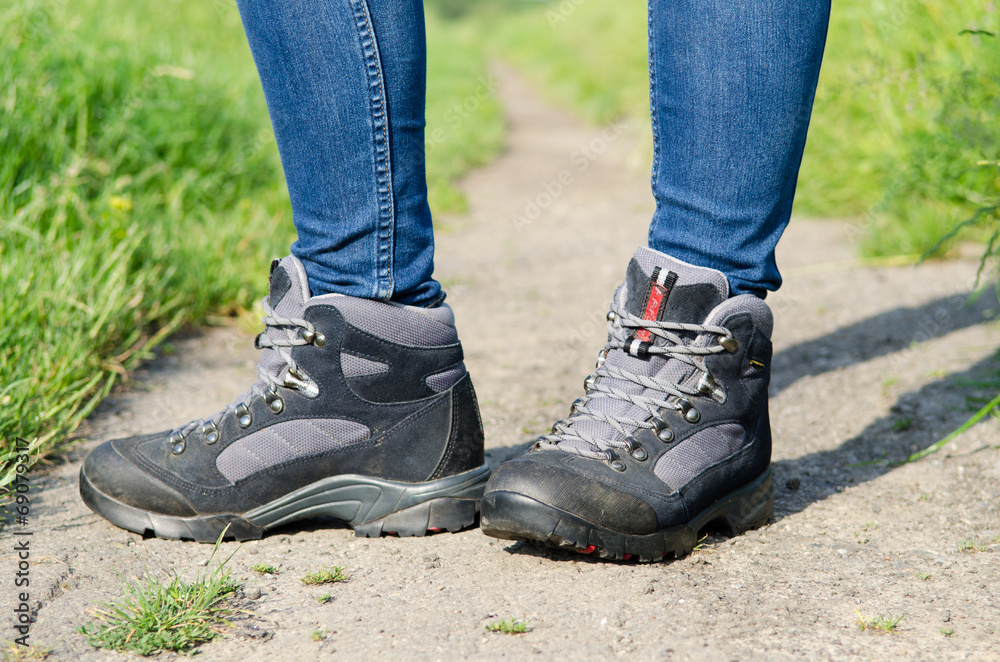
column 871, row 364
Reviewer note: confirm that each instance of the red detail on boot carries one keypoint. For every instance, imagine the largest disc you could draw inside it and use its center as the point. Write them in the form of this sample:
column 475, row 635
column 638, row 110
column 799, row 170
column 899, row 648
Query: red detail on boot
column 656, row 295
column 435, row 529
column 626, row 557
column 588, row 549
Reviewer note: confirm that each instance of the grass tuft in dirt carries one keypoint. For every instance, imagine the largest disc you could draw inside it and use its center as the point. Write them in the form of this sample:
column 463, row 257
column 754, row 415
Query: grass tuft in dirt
column 15, row 652
column 880, row 623
column 970, row 547
column 508, row 626
column 154, row 617
column 265, row 569
column 318, row 634
column 325, row 598
column 326, row 576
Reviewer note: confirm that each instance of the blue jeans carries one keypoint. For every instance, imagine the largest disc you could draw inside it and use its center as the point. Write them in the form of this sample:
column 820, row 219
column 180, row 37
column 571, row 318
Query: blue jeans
column 731, row 90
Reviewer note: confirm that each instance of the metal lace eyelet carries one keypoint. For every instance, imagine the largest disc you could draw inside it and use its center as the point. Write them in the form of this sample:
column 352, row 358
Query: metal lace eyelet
column 617, row 465
column 575, row 407
column 243, row 416
column 663, row 432
column 611, row 316
column 590, row 382
column 177, row 443
column 314, row 338
column 602, row 357
column 639, row 453
column 274, row 402
column 730, row 344
column 210, row 433
column 691, row 415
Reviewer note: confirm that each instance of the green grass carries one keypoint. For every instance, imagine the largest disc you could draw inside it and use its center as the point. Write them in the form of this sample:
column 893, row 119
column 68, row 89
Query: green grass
column 508, row 626
column 904, row 113
column 971, row 547
column 879, row 623
column 140, row 190
column 265, row 568
column 15, row 652
column 326, row 576
column 325, row 598
column 153, row 617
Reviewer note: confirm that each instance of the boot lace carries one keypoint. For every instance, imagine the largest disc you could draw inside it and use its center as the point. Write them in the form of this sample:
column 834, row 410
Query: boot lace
column 279, row 336
column 621, row 327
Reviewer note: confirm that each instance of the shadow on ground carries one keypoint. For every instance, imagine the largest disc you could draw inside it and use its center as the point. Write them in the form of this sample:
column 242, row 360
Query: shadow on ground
column 886, row 333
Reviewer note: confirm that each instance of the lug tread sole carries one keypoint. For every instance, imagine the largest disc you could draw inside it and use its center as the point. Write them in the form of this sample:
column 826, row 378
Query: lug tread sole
column 513, row 516
column 371, row 506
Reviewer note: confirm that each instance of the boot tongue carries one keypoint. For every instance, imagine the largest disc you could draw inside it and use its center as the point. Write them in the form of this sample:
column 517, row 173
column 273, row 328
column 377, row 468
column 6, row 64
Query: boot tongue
column 657, row 287
column 288, row 293
column 661, row 288
column 289, row 287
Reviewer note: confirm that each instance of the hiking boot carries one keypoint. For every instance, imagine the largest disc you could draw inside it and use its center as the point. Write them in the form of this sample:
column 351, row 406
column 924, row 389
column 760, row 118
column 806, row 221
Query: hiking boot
column 362, row 411
column 671, row 435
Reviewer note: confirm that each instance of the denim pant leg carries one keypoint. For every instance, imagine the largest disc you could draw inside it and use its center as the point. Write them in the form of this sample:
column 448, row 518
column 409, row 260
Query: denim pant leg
column 731, row 90
column 345, row 87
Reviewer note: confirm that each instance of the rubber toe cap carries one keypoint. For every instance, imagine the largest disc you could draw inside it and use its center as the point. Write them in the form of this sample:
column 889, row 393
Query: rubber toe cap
column 114, row 476
column 586, row 498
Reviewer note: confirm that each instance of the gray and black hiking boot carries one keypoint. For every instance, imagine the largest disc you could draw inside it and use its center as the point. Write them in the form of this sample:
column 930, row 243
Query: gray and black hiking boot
column 362, row 411
column 671, row 435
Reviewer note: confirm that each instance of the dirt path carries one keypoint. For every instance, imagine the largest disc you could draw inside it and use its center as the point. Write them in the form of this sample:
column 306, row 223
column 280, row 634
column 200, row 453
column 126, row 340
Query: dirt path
column 865, row 372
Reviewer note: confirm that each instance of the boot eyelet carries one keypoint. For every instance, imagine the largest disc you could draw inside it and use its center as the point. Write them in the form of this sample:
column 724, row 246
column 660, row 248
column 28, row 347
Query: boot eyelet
column 577, row 404
column 617, row 465
column 274, row 402
column 590, row 382
column 602, row 357
column 640, row 453
column 730, row 344
column 611, row 317
column 692, row 415
column 210, row 433
column 177, row 443
column 663, row 433
column 314, row 338
column 243, row 416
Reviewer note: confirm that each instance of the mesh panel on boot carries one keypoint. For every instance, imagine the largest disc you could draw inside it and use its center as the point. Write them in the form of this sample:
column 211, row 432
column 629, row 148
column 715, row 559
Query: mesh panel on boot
column 759, row 311
column 442, row 381
column 357, row 366
column 704, row 448
column 286, row 441
column 406, row 325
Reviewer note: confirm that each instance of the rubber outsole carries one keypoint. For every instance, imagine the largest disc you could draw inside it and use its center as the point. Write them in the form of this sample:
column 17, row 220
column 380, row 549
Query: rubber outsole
column 371, row 506
column 513, row 516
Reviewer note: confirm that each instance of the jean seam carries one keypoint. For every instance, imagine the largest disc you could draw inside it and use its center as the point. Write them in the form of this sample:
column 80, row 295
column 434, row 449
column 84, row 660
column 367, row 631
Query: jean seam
column 380, row 143
column 654, row 126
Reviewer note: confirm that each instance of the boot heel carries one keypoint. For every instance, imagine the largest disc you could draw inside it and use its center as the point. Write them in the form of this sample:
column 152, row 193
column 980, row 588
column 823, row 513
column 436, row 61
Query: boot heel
column 444, row 514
